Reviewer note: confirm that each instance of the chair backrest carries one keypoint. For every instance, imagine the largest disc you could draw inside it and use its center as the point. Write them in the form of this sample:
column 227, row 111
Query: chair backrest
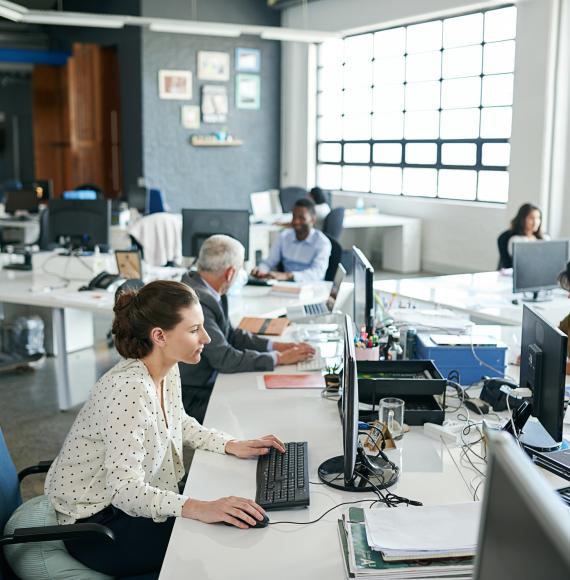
column 505, row 260
column 289, row 195
column 334, row 223
column 10, row 497
column 156, row 202
column 334, row 259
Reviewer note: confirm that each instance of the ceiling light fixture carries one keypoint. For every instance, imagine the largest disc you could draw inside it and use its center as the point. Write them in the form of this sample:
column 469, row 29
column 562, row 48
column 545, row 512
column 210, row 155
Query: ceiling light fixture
column 190, row 27
column 72, row 19
column 11, row 11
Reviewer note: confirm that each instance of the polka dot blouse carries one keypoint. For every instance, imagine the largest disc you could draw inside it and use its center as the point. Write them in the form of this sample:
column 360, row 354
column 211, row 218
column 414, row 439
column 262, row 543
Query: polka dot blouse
column 121, row 450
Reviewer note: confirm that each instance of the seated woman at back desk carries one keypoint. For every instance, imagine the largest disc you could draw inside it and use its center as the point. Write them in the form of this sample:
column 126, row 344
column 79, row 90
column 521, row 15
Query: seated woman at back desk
column 121, row 463
column 564, row 325
column 526, row 226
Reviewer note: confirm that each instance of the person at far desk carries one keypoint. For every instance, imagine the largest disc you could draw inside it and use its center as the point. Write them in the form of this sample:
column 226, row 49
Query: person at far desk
column 564, row 325
column 322, row 208
column 526, row 226
column 121, row 462
column 302, row 252
column 231, row 350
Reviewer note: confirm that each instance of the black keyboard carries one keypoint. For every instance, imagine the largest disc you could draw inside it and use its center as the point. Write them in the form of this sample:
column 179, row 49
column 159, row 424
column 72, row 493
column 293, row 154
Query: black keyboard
column 283, row 478
column 252, row 281
column 564, row 494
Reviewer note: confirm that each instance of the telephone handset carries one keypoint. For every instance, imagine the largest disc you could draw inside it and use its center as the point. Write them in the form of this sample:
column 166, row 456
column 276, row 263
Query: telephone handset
column 100, row 282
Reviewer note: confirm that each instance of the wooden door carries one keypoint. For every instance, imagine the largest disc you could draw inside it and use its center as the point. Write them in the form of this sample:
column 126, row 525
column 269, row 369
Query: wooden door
column 84, row 106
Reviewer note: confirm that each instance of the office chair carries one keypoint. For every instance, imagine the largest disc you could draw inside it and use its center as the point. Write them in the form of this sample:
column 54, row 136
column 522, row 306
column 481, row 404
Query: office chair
column 289, row 195
column 156, row 203
column 334, row 223
column 10, row 501
column 505, row 260
column 334, row 259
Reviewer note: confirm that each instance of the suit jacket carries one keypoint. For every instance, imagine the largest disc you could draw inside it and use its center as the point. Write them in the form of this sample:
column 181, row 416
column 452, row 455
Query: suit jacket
column 231, row 350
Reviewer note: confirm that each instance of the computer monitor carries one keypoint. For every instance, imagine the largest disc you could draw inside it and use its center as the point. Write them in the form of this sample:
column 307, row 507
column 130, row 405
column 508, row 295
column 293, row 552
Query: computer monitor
column 363, row 294
column 199, row 224
column 335, row 288
column 80, row 194
column 138, row 198
column 79, row 223
column 536, row 266
column 260, row 204
column 25, row 200
column 524, row 532
column 354, row 470
column 543, row 371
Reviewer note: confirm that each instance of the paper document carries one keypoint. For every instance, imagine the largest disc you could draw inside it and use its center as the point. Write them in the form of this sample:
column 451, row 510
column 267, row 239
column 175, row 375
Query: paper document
column 444, row 528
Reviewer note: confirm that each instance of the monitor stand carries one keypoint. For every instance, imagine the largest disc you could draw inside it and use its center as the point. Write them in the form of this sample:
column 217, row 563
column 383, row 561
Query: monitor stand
column 374, row 469
column 537, row 296
column 537, row 438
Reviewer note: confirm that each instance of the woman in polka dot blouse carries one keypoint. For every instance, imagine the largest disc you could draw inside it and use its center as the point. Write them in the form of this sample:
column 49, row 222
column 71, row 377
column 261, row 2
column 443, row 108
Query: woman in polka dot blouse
column 121, row 463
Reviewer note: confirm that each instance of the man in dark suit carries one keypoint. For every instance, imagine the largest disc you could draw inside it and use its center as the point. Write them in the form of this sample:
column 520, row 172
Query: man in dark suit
column 231, row 350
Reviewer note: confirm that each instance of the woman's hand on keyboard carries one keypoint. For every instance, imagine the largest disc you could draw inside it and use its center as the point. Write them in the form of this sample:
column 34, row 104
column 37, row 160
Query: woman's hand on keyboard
column 297, row 353
column 254, row 447
column 283, row 346
column 231, row 510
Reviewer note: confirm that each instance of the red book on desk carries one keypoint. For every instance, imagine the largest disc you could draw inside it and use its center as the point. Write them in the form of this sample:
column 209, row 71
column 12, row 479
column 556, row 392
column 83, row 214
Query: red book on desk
column 308, row 381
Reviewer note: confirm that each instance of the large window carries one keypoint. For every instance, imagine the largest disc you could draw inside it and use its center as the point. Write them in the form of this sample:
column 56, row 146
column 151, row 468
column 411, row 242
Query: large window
column 419, row 110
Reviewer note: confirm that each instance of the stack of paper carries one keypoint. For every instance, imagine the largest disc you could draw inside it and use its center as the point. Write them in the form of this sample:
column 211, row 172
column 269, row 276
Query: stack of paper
column 409, row 559
column 445, row 531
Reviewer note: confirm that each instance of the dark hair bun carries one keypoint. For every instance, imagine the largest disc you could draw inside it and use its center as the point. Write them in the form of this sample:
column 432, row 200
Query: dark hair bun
column 137, row 312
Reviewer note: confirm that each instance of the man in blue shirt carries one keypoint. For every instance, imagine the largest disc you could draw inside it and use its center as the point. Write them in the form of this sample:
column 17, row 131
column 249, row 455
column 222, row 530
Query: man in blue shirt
column 302, row 251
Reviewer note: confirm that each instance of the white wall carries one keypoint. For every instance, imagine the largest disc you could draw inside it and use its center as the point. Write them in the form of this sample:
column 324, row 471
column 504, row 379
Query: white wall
column 457, row 236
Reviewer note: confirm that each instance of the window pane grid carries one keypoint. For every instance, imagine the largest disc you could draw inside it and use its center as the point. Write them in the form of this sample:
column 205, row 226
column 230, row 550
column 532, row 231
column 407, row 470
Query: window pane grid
column 439, row 83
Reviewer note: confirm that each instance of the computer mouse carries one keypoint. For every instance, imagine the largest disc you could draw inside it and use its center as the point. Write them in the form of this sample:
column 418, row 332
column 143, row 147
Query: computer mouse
column 515, row 301
column 259, row 524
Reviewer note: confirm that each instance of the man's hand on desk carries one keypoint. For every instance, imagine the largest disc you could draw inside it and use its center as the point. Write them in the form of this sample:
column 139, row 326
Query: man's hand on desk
column 257, row 273
column 252, row 448
column 283, row 346
column 281, row 276
column 294, row 354
column 225, row 509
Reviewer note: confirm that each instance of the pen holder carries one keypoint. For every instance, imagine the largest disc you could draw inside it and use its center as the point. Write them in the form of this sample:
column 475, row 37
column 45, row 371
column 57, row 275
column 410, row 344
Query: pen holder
column 367, row 353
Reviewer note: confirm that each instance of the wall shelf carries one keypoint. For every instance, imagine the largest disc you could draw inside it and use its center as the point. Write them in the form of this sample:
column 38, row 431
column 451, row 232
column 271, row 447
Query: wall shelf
column 207, row 141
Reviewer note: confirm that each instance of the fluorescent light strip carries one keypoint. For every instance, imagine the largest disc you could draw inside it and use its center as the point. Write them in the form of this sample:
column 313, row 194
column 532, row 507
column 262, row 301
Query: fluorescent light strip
column 11, row 11
column 203, row 28
column 296, row 35
column 72, row 19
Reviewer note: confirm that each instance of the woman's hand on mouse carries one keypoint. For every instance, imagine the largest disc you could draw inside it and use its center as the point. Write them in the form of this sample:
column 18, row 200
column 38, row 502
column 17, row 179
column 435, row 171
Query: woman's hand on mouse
column 254, row 447
column 232, row 510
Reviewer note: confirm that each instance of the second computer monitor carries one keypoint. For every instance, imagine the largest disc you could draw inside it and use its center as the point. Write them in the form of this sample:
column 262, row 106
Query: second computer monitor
column 363, row 301
column 79, row 224
column 525, row 529
column 199, row 224
column 25, row 200
column 543, row 370
column 536, row 265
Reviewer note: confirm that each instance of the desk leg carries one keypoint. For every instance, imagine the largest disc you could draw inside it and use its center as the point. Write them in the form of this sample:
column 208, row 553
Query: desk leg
column 61, row 361
column 402, row 248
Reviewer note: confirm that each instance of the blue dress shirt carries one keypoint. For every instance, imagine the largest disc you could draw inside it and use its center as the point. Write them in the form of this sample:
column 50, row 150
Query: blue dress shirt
column 307, row 259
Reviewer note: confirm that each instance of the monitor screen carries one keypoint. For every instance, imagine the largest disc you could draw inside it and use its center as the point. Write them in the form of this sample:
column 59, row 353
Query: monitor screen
column 543, row 370
column 25, row 200
column 524, row 532
column 349, row 402
column 129, row 264
column 536, row 265
column 137, row 198
column 260, row 203
column 199, row 224
column 80, row 194
column 338, row 278
column 79, row 223
column 363, row 278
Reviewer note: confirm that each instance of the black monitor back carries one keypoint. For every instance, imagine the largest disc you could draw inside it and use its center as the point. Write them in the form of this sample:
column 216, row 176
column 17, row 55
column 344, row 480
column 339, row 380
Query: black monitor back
column 81, row 223
column 200, row 224
column 21, row 200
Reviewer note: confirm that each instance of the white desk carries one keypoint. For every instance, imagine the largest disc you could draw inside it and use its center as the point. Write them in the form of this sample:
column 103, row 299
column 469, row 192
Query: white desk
column 398, row 236
column 486, row 297
column 283, row 552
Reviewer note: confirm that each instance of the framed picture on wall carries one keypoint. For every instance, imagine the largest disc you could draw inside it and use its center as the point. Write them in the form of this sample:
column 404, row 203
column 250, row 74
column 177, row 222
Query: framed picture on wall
column 248, row 59
column 214, row 104
column 190, row 116
column 213, row 66
column 248, row 91
column 175, row 84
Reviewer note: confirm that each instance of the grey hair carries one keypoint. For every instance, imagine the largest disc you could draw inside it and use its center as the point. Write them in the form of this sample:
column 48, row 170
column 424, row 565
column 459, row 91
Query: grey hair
column 219, row 252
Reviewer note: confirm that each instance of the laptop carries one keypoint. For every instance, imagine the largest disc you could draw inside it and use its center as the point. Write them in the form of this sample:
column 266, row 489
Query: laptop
column 321, row 308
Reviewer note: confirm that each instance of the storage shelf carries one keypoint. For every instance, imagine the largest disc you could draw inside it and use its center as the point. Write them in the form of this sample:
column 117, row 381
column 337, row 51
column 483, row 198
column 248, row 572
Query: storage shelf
column 198, row 141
